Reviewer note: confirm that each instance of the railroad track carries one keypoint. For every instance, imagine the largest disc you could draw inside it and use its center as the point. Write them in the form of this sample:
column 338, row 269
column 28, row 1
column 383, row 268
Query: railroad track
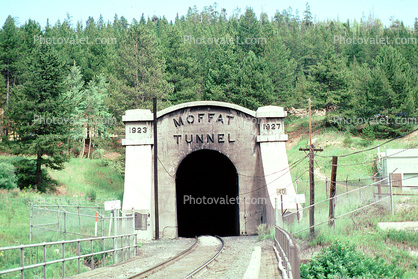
column 194, row 258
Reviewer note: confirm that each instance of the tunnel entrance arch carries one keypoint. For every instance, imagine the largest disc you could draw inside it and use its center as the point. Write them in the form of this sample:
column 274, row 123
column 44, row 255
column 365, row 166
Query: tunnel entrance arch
column 206, row 194
column 206, row 149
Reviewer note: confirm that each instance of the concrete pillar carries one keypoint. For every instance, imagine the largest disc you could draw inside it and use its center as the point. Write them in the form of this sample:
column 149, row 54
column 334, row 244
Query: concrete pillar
column 272, row 139
column 138, row 188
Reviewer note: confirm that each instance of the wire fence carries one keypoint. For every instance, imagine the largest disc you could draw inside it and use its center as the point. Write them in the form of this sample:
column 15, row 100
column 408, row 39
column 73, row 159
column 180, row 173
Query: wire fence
column 351, row 196
column 57, row 222
column 66, row 257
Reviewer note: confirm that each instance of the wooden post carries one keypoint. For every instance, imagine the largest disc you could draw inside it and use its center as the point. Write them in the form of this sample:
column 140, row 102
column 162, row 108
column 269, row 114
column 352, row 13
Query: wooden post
column 332, row 190
column 311, row 192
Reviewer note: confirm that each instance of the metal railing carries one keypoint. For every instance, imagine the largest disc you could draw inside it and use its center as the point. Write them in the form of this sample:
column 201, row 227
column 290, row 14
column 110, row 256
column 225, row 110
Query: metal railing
column 48, row 222
column 288, row 250
column 128, row 244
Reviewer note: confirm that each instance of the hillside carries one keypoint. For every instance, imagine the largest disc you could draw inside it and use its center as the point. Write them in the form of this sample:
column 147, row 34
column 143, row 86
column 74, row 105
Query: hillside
column 84, row 180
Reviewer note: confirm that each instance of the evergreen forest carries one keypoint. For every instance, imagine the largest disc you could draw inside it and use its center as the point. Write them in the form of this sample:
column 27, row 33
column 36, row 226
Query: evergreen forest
column 69, row 71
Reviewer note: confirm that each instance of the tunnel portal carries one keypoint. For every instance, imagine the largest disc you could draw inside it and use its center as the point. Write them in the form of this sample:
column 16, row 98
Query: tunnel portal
column 206, row 193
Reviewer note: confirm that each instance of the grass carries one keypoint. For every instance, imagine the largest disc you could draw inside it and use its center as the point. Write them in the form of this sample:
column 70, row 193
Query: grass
column 265, row 232
column 360, row 227
column 83, row 182
column 82, row 176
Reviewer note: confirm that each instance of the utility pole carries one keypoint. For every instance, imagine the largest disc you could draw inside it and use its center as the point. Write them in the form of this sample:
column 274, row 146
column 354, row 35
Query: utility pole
column 311, row 150
column 157, row 222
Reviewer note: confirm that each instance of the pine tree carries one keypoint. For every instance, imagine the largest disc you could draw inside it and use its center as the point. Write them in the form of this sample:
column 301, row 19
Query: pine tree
column 253, row 83
column 279, row 65
column 9, row 53
column 330, row 80
column 142, row 68
column 182, row 69
column 307, row 16
column 37, row 113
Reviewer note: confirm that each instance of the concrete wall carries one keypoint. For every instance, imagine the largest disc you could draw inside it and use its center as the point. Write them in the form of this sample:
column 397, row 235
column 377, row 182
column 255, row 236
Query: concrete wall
column 253, row 141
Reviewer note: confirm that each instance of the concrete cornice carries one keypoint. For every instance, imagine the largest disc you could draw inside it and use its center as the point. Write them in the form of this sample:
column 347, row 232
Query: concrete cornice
column 205, row 104
column 146, row 115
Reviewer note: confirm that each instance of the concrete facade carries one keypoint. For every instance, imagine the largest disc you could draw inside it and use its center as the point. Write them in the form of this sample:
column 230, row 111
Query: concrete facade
column 254, row 142
column 403, row 162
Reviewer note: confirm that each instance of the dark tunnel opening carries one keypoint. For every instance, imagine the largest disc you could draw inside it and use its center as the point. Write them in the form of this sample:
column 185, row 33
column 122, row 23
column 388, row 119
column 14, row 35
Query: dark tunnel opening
column 206, row 191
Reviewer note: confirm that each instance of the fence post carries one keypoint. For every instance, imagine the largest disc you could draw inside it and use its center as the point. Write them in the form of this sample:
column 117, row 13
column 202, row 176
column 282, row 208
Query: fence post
column 391, row 194
column 63, row 262
column 114, row 251
column 379, row 188
column 296, row 266
column 103, row 226
column 22, row 263
column 79, row 219
column 104, row 254
column 359, row 185
column 44, row 250
column 65, row 225
column 346, row 187
column 58, row 222
column 31, row 223
column 78, row 254
column 92, row 258
column 333, row 189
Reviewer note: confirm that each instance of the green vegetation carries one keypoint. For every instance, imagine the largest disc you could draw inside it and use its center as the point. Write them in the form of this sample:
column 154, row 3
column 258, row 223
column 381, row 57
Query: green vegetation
column 265, row 232
column 296, row 59
column 84, row 182
column 359, row 228
column 342, row 260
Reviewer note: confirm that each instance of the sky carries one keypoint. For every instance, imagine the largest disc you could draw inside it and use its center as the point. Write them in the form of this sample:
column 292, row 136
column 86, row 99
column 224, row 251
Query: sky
column 80, row 10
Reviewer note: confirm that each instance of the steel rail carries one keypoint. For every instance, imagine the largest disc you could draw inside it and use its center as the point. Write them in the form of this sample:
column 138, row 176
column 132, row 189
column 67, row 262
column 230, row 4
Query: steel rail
column 208, row 262
column 155, row 268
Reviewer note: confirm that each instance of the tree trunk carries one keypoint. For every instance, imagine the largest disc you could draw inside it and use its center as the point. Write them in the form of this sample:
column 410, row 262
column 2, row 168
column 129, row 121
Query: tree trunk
column 6, row 131
column 38, row 170
column 82, row 149
column 88, row 155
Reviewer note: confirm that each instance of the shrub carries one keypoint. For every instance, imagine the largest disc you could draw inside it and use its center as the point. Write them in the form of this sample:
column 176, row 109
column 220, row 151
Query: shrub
column 7, row 176
column 348, row 140
column 367, row 135
column 26, row 175
column 342, row 260
column 91, row 195
column 98, row 153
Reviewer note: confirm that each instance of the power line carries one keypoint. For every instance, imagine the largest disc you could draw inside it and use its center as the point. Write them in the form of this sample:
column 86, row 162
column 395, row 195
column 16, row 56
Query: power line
column 264, row 186
column 371, row 148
